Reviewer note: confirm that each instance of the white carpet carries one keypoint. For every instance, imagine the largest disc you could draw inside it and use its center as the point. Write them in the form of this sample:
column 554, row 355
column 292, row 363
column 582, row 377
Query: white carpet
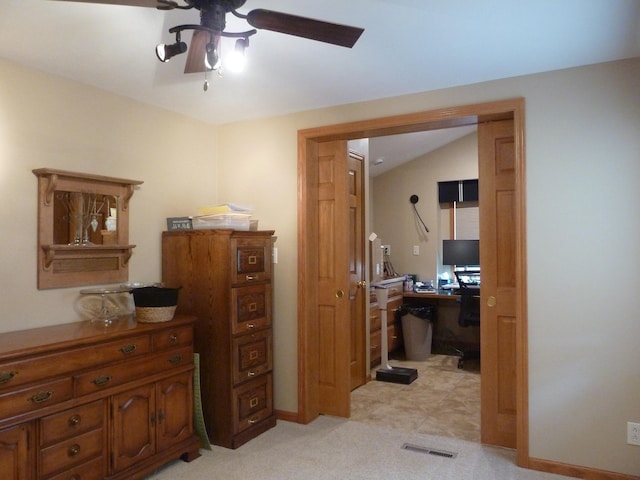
column 335, row 448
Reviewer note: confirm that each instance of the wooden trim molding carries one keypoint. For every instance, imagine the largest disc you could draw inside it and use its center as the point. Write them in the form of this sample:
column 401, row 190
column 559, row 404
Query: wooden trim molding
column 576, row 471
column 308, row 140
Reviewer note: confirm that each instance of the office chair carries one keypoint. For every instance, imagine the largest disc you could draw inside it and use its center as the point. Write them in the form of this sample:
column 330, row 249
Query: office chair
column 469, row 317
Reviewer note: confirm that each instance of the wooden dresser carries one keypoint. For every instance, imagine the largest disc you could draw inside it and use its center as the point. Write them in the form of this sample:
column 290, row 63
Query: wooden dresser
column 394, row 325
column 86, row 402
column 225, row 277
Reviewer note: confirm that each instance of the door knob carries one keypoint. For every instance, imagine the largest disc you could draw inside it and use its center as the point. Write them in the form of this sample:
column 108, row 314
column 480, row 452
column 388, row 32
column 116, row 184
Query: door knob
column 361, row 284
column 491, row 301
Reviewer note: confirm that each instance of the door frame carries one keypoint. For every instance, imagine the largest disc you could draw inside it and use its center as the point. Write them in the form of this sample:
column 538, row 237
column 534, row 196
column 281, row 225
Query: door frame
column 308, row 139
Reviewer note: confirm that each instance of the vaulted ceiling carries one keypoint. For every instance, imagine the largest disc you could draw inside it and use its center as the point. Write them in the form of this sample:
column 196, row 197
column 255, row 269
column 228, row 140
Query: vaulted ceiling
column 407, row 46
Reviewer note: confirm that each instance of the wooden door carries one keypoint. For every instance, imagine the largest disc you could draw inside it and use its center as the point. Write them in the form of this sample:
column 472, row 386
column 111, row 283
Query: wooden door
column 333, row 304
column 134, row 421
column 357, row 290
column 496, row 150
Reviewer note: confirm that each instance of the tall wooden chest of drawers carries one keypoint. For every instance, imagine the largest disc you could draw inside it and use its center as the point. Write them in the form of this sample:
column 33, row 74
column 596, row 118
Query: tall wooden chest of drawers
column 225, row 280
column 86, row 402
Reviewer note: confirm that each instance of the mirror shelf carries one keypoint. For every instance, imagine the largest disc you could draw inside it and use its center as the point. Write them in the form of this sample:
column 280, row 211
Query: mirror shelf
column 83, row 228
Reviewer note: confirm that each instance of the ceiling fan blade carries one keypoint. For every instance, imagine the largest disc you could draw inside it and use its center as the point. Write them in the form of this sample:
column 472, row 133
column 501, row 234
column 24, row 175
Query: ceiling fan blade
column 132, row 3
column 342, row 35
column 197, row 51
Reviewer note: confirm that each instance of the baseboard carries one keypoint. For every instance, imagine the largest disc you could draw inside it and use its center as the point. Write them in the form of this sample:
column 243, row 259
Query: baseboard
column 287, row 416
column 576, row 471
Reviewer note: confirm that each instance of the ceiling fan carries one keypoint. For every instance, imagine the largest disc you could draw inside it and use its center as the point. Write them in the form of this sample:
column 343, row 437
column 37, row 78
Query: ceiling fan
column 204, row 48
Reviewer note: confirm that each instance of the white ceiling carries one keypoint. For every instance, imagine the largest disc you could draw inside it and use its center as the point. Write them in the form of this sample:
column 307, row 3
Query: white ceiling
column 408, row 46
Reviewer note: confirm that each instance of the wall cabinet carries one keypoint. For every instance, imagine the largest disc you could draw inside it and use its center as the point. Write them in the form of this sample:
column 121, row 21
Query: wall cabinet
column 225, row 280
column 81, row 402
column 394, row 326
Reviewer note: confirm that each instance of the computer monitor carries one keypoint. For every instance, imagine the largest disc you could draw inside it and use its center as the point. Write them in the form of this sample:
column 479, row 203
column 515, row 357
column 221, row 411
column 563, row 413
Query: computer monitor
column 461, row 252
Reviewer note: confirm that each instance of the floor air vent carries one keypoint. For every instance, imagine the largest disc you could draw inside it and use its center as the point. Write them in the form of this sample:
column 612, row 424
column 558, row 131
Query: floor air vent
column 430, row 451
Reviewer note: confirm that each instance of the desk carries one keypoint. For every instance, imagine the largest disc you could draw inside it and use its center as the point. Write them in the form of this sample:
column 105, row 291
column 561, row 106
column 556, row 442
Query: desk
column 447, row 333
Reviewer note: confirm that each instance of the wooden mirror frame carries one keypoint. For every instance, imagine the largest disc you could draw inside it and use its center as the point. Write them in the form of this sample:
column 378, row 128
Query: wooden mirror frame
column 75, row 265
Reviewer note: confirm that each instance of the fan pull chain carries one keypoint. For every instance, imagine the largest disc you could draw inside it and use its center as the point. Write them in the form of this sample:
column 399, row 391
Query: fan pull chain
column 205, row 87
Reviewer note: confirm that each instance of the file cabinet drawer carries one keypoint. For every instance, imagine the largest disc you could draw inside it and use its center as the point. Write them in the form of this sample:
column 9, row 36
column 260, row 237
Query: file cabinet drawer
column 251, row 260
column 250, row 308
column 252, row 356
column 72, row 422
column 252, row 402
column 74, row 451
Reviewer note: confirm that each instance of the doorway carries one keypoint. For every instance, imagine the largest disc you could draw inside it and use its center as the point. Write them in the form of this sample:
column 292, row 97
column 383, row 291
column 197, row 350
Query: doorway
column 310, row 349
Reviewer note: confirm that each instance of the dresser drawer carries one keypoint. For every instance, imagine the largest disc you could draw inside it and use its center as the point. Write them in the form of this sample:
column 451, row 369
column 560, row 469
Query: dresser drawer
column 33, row 398
column 178, row 337
column 37, row 368
column 252, row 402
column 74, row 451
column 250, row 308
column 91, row 470
column 118, row 374
column 392, row 309
column 252, row 356
column 250, row 260
column 394, row 290
column 374, row 319
column 84, row 418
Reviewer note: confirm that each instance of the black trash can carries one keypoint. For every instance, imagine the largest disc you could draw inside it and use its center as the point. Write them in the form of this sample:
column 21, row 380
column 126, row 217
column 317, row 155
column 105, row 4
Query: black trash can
column 417, row 330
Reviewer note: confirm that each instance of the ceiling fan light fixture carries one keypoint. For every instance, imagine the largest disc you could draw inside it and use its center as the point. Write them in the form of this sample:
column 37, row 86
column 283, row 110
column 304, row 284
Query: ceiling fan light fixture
column 212, row 59
column 236, row 60
column 166, row 52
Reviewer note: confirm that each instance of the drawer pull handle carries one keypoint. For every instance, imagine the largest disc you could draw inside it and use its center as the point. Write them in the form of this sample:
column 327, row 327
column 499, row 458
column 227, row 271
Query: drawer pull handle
column 41, row 397
column 252, row 421
column 175, row 359
column 74, row 420
column 102, row 380
column 6, row 376
column 250, row 277
column 251, row 373
column 250, row 326
column 74, row 450
column 127, row 349
column 173, row 338
column 75, row 477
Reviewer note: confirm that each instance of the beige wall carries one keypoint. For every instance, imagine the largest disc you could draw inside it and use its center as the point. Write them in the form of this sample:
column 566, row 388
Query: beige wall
column 46, row 121
column 394, row 219
column 582, row 147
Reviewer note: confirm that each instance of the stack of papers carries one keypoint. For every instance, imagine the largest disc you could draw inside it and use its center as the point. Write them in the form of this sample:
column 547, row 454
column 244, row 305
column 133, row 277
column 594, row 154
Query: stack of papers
column 228, row 215
column 225, row 208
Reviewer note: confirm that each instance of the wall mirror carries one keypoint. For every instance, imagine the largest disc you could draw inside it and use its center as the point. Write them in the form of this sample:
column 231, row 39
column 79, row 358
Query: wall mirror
column 83, row 228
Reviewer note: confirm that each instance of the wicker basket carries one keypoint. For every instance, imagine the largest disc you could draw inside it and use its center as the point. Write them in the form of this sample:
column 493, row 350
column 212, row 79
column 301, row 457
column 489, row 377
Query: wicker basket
column 155, row 304
column 155, row 314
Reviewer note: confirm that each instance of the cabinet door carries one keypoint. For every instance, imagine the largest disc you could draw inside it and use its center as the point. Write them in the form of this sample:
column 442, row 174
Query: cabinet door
column 134, row 426
column 14, row 453
column 174, row 410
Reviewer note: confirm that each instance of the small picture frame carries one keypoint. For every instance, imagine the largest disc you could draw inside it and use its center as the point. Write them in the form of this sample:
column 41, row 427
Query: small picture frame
column 179, row 223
